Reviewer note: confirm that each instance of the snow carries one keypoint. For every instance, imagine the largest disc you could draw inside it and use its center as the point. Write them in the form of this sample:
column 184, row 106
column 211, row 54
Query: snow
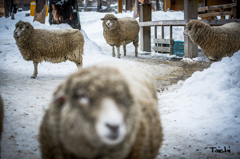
column 197, row 114
column 205, row 108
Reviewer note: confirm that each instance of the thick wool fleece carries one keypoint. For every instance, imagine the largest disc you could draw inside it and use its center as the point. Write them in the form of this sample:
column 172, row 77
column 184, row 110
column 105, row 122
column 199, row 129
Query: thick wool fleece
column 215, row 42
column 54, row 46
column 68, row 128
column 122, row 32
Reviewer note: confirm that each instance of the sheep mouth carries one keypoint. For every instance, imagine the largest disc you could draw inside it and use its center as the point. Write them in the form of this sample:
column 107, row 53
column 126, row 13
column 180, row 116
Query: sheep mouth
column 185, row 33
column 113, row 136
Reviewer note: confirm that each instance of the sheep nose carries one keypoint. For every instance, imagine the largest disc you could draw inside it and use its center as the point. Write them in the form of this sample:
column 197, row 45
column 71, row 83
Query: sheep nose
column 113, row 128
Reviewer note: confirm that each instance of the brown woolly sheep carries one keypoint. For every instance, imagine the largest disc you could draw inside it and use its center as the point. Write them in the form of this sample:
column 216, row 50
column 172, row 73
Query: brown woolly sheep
column 1, row 116
column 54, row 46
column 120, row 31
column 107, row 111
column 215, row 42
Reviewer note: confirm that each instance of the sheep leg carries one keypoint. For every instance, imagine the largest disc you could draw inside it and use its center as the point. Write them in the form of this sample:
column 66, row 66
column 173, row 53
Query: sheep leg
column 211, row 58
column 35, row 72
column 135, row 43
column 124, row 50
column 79, row 65
column 113, row 51
column 118, row 51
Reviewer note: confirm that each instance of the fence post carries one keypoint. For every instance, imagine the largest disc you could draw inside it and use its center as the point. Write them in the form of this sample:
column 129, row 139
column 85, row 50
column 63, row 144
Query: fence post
column 145, row 32
column 190, row 12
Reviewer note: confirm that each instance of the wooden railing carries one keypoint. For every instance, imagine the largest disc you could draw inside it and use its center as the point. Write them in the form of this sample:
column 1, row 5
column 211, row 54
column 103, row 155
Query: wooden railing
column 212, row 13
column 172, row 23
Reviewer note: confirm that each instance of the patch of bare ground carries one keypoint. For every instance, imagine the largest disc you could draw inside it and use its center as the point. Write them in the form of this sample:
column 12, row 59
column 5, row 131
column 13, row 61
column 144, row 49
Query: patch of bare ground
column 167, row 71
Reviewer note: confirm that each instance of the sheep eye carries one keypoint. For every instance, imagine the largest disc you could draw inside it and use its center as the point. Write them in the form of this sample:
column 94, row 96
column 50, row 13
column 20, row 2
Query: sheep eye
column 27, row 27
column 82, row 98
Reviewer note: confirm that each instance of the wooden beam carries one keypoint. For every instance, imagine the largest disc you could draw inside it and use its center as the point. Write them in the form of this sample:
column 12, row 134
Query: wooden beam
column 213, row 14
column 162, row 41
column 163, row 23
column 162, row 49
column 162, row 32
column 236, row 10
column 119, row 6
column 167, row 5
column 145, row 32
column 170, row 27
column 157, row 5
column 184, row 22
column 216, row 7
column 190, row 12
column 155, row 33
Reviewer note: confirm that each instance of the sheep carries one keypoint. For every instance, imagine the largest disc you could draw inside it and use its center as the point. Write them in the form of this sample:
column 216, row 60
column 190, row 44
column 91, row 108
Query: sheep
column 120, row 31
column 54, row 46
column 215, row 42
column 1, row 116
column 104, row 111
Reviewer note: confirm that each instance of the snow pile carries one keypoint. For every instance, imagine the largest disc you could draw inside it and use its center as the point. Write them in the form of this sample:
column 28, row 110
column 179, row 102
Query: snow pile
column 207, row 109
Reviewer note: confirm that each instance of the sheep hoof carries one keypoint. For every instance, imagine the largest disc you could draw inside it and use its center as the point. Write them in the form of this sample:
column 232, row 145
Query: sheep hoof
column 213, row 59
column 33, row 76
column 136, row 55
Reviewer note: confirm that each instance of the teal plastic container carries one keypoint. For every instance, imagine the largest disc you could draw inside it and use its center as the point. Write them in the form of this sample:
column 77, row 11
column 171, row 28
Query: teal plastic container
column 178, row 48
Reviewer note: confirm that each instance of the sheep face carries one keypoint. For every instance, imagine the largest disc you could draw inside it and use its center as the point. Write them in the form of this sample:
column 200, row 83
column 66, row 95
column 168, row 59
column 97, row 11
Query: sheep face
column 23, row 31
column 194, row 30
column 95, row 109
column 109, row 22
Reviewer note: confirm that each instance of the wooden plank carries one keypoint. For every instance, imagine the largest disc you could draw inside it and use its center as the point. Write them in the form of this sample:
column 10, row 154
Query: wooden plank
column 119, row 6
column 162, row 49
column 162, row 41
column 215, row 14
column 216, row 7
column 184, row 22
column 155, row 35
column 145, row 32
column 155, row 32
column 162, row 32
column 236, row 10
column 170, row 27
column 164, row 23
column 190, row 12
column 171, row 46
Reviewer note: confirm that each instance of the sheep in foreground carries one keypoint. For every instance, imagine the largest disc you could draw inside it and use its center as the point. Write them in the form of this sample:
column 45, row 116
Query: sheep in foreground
column 54, row 46
column 1, row 116
column 215, row 42
column 120, row 31
column 107, row 111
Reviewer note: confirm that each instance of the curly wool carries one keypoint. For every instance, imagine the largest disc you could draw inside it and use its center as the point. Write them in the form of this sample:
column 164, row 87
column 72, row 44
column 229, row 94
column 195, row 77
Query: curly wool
column 215, row 42
column 122, row 32
column 54, row 46
column 135, row 94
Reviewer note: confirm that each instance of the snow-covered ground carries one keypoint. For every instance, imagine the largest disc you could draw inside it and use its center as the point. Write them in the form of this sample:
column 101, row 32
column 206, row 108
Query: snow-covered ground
column 197, row 114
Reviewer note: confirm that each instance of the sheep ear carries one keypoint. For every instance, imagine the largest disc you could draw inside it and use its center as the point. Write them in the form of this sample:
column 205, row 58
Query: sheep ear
column 59, row 100
column 199, row 25
column 102, row 19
